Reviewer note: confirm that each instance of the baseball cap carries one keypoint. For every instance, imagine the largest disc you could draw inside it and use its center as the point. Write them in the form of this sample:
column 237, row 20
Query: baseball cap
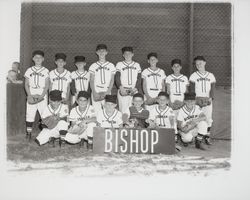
column 152, row 54
column 60, row 56
column 111, row 98
column 79, row 59
column 190, row 96
column 199, row 58
column 84, row 94
column 38, row 52
column 176, row 61
column 130, row 49
column 55, row 95
column 101, row 46
column 163, row 94
column 138, row 95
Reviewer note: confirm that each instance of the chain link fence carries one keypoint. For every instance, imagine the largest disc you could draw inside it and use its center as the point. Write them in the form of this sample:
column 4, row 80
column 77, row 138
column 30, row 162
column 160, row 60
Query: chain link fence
column 76, row 29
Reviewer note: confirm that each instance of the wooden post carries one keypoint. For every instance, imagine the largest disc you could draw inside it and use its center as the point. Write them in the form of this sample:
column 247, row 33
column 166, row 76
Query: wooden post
column 191, row 38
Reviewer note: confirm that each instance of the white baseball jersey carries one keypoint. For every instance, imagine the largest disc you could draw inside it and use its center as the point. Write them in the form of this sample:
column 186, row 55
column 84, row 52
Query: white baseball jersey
column 60, row 81
column 61, row 111
column 185, row 115
column 112, row 121
column 154, row 80
column 37, row 77
column 178, row 84
column 81, row 80
column 78, row 117
column 103, row 73
column 161, row 117
column 202, row 83
column 129, row 73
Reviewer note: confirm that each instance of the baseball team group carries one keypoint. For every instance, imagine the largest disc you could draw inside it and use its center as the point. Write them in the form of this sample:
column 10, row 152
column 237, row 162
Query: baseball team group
column 71, row 104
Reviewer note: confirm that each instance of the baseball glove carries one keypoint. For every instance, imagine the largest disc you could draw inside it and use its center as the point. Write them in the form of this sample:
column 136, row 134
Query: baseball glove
column 51, row 121
column 189, row 126
column 34, row 100
column 76, row 129
column 176, row 105
column 203, row 101
column 150, row 101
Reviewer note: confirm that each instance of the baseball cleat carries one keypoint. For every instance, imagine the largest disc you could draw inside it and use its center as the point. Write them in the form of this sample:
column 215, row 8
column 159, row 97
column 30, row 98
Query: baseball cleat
column 208, row 140
column 199, row 145
column 90, row 147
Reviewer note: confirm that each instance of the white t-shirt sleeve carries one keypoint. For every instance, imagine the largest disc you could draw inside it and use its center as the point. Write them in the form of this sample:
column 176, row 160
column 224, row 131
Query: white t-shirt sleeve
column 138, row 68
column 213, row 80
column 92, row 69
column 167, row 80
column 163, row 75
column 144, row 74
column 27, row 73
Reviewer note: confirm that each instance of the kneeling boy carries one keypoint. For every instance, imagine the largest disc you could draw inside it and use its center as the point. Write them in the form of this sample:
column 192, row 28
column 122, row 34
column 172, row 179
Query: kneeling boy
column 136, row 115
column 110, row 117
column 191, row 122
column 83, row 120
column 54, row 118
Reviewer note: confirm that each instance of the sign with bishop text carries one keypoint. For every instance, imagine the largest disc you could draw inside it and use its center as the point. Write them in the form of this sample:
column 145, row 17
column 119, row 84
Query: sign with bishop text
column 131, row 140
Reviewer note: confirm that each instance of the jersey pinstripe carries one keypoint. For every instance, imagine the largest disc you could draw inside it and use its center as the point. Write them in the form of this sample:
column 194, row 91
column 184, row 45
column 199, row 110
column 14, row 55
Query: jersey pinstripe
column 178, row 84
column 103, row 73
column 60, row 81
column 185, row 115
column 112, row 121
column 202, row 83
column 61, row 111
column 154, row 81
column 161, row 117
column 37, row 76
column 129, row 73
column 78, row 117
column 81, row 80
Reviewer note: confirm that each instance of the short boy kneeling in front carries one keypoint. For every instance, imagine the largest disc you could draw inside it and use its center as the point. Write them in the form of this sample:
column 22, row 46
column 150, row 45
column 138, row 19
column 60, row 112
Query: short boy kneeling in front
column 83, row 120
column 191, row 122
column 136, row 115
column 54, row 118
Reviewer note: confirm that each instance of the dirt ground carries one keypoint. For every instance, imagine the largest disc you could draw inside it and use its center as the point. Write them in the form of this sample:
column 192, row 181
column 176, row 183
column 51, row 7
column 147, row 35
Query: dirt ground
column 28, row 158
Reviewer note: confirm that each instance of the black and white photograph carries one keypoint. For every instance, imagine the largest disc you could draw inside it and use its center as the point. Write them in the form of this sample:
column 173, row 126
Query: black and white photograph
column 111, row 90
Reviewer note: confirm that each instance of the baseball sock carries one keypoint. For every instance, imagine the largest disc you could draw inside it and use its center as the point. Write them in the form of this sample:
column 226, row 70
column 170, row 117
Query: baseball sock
column 29, row 126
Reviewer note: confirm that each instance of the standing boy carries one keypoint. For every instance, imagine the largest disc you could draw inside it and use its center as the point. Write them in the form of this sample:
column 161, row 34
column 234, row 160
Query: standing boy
column 102, row 75
column 110, row 117
column 177, row 85
column 83, row 120
column 153, row 80
column 127, row 78
column 191, row 122
column 54, row 119
column 36, row 87
column 203, row 83
column 80, row 78
column 60, row 78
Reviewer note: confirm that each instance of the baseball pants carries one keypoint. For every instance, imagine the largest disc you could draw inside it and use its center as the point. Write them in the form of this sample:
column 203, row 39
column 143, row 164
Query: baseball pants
column 124, row 102
column 75, row 138
column 31, row 109
column 97, row 104
column 201, row 128
column 46, row 133
column 207, row 110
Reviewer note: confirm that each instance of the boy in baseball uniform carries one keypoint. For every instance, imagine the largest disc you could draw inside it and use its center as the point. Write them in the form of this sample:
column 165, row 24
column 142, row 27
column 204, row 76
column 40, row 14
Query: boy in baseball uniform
column 58, row 112
column 127, row 79
column 60, row 78
column 177, row 85
column 192, row 123
column 161, row 115
column 203, row 83
column 136, row 115
column 153, row 80
column 83, row 120
column 102, row 75
column 36, row 87
column 110, row 117
column 80, row 78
